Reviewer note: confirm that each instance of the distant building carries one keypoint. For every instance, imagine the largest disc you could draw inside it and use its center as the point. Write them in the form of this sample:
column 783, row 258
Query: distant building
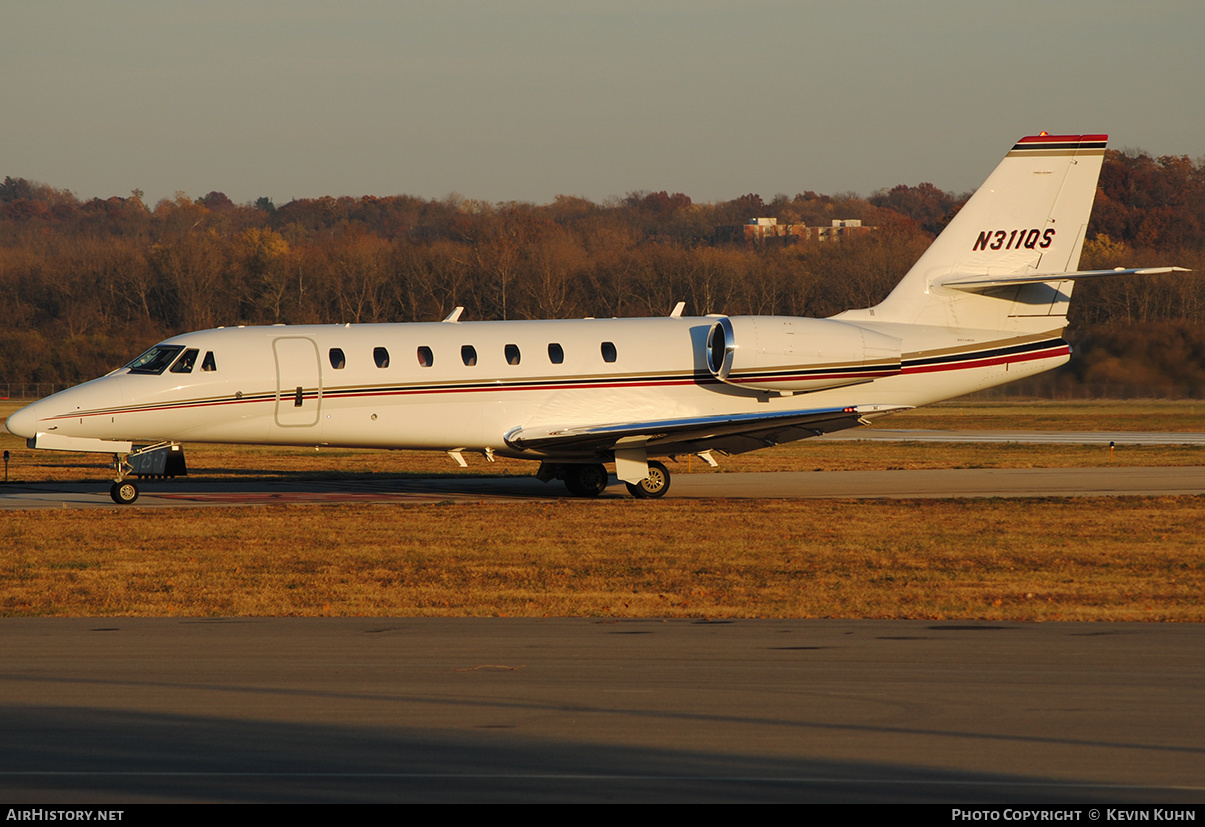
column 840, row 228
column 768, row 230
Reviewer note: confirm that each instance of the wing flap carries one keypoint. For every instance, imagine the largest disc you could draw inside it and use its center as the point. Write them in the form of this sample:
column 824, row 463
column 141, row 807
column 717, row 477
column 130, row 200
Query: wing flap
column 734, row 433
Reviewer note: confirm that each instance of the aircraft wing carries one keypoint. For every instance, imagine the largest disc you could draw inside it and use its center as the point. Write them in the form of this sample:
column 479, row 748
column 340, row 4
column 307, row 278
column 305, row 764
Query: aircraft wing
column 732, row 433
column 976, row 284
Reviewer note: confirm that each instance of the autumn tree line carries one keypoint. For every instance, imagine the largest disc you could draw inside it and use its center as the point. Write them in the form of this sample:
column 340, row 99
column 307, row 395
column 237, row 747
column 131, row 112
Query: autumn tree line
column 89, row 284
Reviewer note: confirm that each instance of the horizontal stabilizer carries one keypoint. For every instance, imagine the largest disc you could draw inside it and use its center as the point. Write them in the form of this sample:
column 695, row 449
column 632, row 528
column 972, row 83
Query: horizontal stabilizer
column 974, row 284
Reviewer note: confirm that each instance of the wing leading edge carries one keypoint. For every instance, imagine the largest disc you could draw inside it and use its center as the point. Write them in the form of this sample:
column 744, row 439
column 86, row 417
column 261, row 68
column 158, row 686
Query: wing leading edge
column 732, row 434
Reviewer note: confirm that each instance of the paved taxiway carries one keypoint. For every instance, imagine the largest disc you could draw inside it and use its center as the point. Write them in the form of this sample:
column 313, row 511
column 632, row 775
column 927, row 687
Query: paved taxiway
column 1015, row 482
column 1121, row 438
column 986, row 482
column 307, row 710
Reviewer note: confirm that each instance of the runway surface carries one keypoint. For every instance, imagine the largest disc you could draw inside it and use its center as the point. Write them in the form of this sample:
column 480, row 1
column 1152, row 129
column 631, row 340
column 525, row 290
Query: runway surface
column 988, row 482
column 404, row 710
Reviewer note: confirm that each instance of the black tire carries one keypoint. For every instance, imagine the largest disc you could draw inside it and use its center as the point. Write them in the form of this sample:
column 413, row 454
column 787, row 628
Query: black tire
column 652, row 487
column 124, row 493
column 586, row 480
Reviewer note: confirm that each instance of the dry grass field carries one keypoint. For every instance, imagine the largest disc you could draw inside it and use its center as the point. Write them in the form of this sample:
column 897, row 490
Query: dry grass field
column 1100, row 415
column 1081, row 559
column 1036, row 559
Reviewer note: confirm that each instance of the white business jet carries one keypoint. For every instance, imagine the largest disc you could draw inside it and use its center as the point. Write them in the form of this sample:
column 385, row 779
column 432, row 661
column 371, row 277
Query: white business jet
column 986, row 304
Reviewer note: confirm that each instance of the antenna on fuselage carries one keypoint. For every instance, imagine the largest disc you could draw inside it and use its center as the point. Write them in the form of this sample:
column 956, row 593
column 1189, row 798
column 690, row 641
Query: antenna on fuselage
column 454, row 316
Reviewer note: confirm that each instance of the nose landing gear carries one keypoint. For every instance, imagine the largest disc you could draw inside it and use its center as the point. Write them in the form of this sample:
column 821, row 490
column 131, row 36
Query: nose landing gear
column 164, row 459
column 124, row 492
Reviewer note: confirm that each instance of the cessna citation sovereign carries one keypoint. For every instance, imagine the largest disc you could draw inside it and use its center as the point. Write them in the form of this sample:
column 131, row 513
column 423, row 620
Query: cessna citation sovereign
column 984, row 305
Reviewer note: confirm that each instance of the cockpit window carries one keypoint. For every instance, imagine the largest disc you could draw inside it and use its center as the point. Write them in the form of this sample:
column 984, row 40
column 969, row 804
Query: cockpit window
column 155, row 360
column 185, row 362
column 208, row 362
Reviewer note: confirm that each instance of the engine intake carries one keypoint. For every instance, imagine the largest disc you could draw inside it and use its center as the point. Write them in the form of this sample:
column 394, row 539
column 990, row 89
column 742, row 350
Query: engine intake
column 797, row 355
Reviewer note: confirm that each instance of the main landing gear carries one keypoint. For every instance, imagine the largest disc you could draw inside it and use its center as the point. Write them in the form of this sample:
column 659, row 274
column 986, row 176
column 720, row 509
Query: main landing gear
column 590, row 480
column 653, row 486
column 586, row 480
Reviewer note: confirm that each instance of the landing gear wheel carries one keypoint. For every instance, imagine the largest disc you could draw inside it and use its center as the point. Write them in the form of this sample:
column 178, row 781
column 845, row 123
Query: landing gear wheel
column 586, row 480
column 124, row 493
column 654, row 486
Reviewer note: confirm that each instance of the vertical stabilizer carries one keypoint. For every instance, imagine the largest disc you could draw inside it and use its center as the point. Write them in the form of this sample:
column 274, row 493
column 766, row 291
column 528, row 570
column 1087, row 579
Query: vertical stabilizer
column 1030, row 216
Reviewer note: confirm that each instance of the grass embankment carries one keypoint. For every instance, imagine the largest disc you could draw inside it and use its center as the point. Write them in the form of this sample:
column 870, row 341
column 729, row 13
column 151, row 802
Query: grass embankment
column 1040, row 559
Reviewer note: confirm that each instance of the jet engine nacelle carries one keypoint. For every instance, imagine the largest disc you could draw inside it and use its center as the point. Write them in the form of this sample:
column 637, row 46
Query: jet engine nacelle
column 796, row 355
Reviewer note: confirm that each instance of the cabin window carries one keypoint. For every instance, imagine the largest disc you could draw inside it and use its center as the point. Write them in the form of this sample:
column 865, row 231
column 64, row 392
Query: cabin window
column 468, row 355
column 608, row 352
column 208, row 363
column 425, row 357
column 512, row 354
column 381, row 356
column 338, row 360
column 556, row 354
column 185, row 362
column 155, row 360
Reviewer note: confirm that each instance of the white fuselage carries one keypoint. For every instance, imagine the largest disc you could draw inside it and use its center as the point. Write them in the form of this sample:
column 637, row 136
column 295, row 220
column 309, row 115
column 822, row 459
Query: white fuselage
column 371, row 386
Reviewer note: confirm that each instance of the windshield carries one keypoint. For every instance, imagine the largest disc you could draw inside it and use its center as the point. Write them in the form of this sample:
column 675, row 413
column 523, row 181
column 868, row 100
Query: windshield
column 155, row 360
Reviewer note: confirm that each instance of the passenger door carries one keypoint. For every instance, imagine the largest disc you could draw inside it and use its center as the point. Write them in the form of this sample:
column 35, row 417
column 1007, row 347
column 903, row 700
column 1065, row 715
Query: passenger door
column 298, row 382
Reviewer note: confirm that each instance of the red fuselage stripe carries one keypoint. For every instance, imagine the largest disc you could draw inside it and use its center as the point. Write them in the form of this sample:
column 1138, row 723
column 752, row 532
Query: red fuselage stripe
column 1048, row 353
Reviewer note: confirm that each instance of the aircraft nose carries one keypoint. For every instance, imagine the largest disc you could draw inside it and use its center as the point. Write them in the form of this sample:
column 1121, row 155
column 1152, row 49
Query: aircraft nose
column 24, row 422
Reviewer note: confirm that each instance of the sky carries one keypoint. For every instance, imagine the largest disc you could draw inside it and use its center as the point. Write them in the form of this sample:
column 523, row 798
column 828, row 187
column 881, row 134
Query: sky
column 524, row 100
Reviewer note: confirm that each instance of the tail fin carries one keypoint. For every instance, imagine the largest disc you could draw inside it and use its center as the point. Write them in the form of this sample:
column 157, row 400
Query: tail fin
column 1028, row 218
